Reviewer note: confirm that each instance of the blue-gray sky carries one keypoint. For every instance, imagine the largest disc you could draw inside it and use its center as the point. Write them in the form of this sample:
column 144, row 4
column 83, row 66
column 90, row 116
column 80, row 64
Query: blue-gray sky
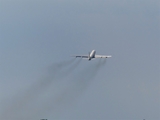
column 37, row 34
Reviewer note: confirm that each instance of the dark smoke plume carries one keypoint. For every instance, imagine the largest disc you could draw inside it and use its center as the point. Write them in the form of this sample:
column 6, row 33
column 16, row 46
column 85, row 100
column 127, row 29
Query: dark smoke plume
column 59, row 81
column 74, row 88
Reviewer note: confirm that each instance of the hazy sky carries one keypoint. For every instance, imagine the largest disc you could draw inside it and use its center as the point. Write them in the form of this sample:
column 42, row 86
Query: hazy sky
column 37, row 38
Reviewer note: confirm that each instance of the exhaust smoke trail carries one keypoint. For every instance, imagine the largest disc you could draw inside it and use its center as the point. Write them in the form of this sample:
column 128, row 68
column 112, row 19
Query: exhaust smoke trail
column 63, row 70
column 23, row 99
column 64, row 88
column 74, row 88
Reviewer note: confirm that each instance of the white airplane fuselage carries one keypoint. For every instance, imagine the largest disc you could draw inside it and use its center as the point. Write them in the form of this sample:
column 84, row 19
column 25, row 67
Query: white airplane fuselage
column 92, row 55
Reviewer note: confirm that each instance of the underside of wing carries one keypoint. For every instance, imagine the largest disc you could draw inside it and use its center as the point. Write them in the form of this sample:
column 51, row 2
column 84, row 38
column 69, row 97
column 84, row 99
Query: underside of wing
column 102, row 56
column 81, row 56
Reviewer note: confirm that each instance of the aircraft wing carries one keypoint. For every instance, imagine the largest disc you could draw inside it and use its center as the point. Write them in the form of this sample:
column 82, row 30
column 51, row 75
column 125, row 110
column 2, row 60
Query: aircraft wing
column 102, row 56
column 82, row 56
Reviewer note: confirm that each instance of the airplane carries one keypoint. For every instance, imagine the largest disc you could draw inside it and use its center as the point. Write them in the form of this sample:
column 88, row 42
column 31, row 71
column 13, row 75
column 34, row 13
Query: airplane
column 92, row 55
